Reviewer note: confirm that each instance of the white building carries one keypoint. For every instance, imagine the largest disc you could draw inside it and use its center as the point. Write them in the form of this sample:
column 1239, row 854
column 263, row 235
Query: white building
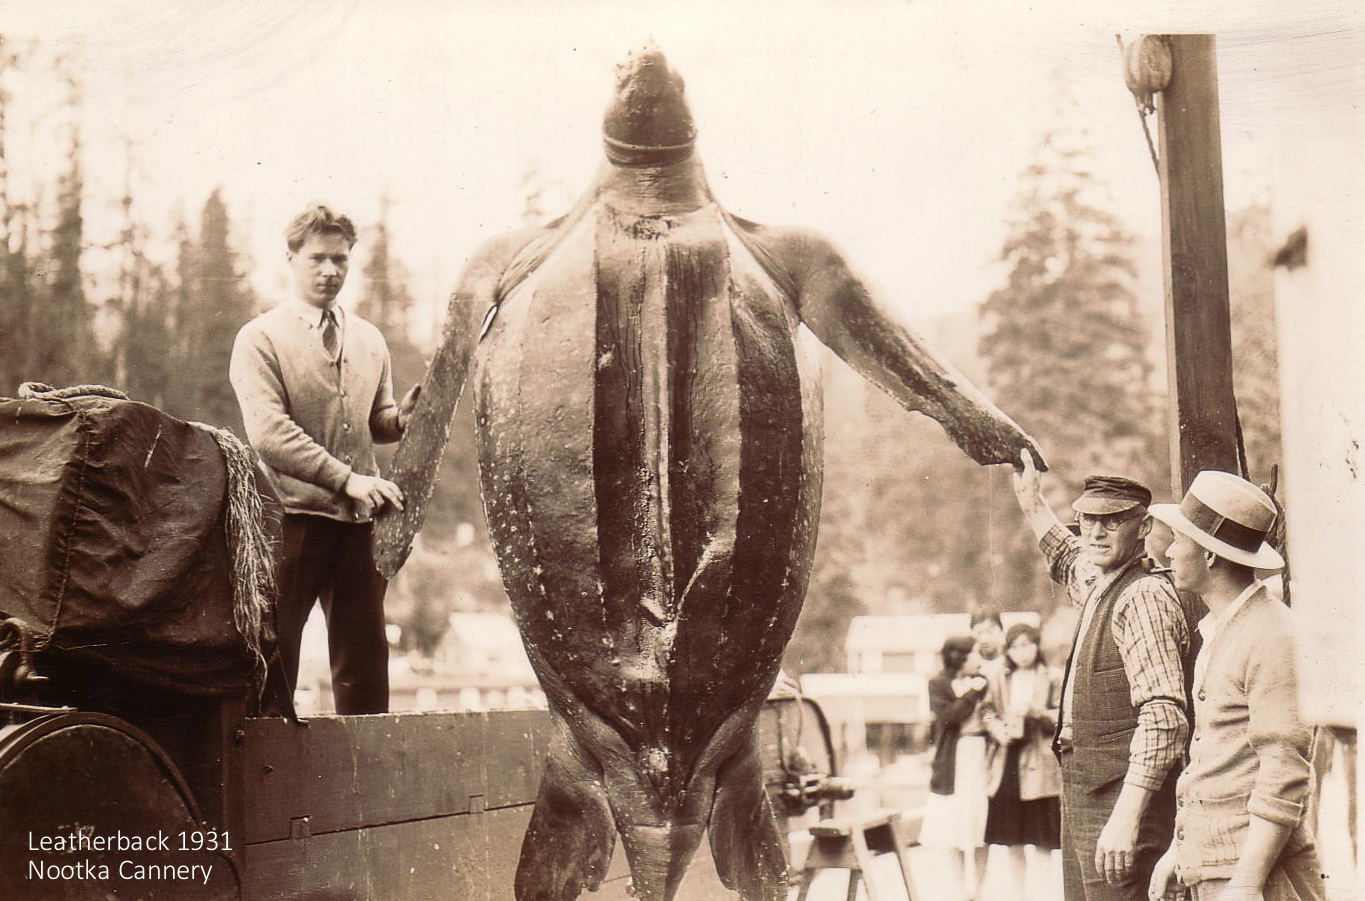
column 909, row 644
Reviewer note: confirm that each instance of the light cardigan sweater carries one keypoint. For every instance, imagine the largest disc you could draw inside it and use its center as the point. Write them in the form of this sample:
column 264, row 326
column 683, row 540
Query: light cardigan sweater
column 1039, row 774
column 311, row 422
column 1249, row 754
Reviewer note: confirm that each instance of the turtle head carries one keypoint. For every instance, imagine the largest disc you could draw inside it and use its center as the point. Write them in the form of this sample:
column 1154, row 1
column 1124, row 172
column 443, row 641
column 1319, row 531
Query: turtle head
column 648, row 122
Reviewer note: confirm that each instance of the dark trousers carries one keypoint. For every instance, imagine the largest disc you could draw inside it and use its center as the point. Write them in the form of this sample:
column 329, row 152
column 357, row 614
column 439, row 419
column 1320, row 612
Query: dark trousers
column 331, row 562
column 1084, row 814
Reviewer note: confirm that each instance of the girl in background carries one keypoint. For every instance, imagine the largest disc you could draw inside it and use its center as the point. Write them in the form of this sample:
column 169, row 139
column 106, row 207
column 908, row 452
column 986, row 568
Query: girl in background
column 1019, row 711
column 955, row 814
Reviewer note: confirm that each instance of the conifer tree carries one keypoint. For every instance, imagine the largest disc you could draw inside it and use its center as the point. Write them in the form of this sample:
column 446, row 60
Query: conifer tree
column 60, row 337
column 385, row 300
column 143, row 361
column 213, row 301
column 1065, row 342
column 182, row 382
column 14, row 276
column 1255, row 367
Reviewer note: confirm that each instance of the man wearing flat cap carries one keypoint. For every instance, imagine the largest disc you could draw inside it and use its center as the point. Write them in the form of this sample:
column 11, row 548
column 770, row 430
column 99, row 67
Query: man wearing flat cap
column 1124, row 715
column 1240, row 830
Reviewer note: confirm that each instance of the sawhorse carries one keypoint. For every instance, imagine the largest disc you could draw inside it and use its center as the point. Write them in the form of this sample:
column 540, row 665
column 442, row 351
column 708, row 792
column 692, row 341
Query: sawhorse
column 850, row 844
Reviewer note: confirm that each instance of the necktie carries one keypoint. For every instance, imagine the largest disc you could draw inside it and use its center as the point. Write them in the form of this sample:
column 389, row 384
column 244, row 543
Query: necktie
column 329, row 334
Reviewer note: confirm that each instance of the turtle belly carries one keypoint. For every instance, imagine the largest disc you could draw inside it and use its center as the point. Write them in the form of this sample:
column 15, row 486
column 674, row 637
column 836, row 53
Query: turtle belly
column 649, row 437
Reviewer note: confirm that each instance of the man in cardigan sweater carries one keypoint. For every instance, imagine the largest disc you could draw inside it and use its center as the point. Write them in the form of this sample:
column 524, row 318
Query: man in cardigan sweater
column 314, row 386
column 1240, row 830
column 1123, row 720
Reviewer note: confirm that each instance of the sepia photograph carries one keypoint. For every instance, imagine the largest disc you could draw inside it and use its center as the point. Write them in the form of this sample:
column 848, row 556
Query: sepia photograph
column 897, row 450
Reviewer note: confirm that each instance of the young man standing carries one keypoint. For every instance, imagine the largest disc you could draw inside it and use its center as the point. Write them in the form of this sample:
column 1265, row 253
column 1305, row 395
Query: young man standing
column 1123, row 719
column 315, row 390
column 1240, row 830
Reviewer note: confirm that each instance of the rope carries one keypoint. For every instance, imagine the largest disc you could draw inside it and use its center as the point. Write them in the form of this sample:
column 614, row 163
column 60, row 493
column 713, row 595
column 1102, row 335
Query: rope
column 1244, row 468
column 1279, row 535
column 40, row 391
column 1142, row 112
column 1147, row 133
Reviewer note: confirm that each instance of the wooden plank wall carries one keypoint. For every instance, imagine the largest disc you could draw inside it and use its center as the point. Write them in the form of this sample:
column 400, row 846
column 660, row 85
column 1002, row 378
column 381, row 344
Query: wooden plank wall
column 410, row 806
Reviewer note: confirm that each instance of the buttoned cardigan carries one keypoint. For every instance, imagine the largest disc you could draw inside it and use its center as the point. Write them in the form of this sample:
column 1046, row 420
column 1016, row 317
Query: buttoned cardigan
column 1250, row 752
column 313, row 422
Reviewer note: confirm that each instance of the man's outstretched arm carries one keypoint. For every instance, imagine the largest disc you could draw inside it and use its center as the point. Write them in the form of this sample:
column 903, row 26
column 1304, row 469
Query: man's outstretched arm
column 1028, row 491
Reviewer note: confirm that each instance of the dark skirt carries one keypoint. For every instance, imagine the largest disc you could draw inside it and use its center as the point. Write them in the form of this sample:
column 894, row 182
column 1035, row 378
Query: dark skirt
column 1011, row 821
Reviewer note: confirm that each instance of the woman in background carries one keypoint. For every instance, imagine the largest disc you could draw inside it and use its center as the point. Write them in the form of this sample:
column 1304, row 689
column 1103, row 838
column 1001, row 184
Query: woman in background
column 955, row 814
column 1019, row 711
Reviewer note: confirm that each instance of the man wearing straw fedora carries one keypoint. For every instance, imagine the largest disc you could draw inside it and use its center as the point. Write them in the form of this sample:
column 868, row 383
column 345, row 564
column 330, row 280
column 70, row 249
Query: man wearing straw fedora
column 1123, row 721
column 1240, row 830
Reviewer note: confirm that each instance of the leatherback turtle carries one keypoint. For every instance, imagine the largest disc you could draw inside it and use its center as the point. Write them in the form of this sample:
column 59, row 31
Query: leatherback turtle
column 649, row 434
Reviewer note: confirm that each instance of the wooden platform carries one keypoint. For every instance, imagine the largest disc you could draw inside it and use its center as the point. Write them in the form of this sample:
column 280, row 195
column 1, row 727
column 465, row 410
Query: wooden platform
column 411, row 806
column 408, row 806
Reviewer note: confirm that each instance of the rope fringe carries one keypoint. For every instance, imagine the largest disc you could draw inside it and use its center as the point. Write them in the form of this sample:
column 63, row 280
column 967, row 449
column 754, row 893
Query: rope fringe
column 253, row 568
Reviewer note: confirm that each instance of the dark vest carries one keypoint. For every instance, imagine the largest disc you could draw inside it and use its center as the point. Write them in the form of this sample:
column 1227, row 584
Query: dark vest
column 1103, row 717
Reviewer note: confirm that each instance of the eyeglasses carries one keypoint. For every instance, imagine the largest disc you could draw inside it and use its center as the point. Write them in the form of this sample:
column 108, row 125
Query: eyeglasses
column 1108, row 522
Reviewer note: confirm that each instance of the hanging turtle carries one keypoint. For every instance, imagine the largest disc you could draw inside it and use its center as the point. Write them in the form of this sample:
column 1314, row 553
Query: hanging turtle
column 649, row 435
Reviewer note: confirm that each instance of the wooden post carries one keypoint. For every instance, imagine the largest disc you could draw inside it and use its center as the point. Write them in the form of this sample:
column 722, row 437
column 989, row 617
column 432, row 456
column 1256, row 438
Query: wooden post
column 1198, row 326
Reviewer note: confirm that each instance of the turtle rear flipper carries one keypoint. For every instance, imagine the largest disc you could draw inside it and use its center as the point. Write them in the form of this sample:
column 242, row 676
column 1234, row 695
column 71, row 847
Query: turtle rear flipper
column 569, row 841
column 745, row 844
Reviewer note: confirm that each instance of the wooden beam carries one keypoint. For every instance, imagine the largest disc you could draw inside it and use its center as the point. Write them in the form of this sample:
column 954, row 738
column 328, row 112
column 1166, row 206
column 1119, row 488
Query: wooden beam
column 1198, row 325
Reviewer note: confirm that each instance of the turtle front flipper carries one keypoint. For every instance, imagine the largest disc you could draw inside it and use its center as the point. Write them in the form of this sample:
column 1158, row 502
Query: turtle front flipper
column 418, row 457
column 845, row 313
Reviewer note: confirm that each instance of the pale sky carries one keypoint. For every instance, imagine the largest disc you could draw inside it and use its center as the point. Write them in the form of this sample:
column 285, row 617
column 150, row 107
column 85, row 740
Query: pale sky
column 897, row 128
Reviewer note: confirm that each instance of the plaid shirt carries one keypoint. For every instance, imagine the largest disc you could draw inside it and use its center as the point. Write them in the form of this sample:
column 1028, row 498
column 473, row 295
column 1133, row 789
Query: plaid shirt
column 1153, row 638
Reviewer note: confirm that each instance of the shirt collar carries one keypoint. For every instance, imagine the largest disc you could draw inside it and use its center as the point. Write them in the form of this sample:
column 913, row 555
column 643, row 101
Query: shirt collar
column 311, row 314
column 1100, row 581
column 1208, row 626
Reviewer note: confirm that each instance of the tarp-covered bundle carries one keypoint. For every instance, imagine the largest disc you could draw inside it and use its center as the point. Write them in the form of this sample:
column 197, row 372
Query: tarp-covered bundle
column 114, row 528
